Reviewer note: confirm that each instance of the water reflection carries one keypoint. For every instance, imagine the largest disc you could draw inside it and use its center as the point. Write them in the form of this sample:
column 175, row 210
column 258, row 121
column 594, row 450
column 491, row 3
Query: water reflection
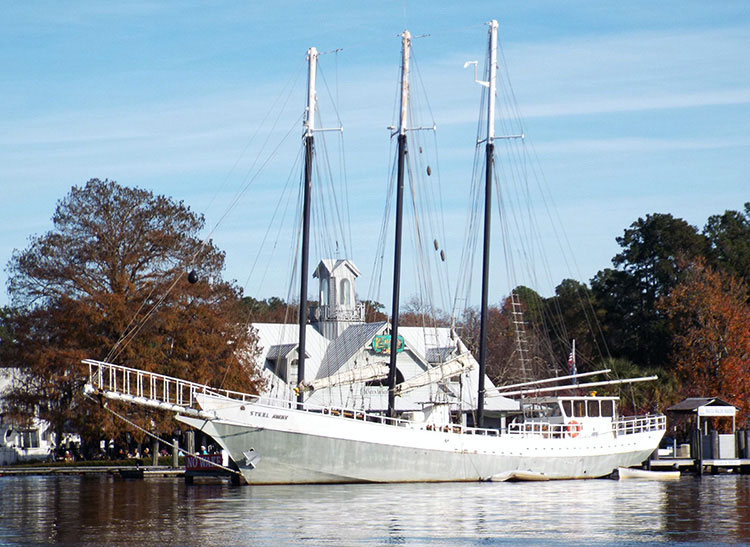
column 105, row 510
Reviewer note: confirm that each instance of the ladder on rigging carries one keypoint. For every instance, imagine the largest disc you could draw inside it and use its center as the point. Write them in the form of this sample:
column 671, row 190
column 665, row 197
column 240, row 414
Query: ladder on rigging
column 522, row 344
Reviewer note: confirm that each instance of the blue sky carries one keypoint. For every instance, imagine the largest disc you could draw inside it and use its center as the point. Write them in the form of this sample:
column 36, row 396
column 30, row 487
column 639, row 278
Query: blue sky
column 631, row 107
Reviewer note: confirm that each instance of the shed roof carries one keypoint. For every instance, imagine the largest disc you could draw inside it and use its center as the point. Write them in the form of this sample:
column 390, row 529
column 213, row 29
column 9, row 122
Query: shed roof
column 692, row 404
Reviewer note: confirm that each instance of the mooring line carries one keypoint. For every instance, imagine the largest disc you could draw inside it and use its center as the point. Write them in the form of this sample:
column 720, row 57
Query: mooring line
column 131, row 423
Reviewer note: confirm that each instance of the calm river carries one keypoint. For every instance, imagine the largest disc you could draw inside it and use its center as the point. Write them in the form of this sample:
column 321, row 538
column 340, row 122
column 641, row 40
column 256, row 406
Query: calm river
column 103, row 510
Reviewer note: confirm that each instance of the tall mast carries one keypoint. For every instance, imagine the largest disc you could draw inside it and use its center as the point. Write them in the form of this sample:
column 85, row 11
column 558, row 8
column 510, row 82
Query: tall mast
column 489, row 158
column 405, row 45
column 312, row 59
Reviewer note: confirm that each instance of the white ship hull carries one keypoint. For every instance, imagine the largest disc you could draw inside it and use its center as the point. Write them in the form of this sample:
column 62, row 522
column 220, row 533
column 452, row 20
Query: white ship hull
column 274, row 445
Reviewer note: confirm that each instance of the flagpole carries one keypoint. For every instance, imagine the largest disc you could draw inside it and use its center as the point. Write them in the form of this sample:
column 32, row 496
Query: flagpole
column 572, row 362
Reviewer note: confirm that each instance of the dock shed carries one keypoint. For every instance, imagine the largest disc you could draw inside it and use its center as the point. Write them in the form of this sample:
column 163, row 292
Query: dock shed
column 707, row 442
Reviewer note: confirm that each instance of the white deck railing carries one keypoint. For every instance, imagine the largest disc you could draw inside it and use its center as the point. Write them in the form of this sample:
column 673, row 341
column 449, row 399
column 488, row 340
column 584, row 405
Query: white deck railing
column 140, row 384
column 158, row 390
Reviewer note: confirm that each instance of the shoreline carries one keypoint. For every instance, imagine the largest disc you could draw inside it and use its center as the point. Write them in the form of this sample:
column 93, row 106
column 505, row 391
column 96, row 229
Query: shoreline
column 83, row 469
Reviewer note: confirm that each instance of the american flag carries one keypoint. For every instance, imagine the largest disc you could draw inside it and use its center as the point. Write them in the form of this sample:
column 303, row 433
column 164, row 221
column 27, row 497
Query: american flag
column 572, row 362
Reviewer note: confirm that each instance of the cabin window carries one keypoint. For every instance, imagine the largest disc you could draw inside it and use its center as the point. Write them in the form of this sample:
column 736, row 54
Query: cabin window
column 549, row 410
column 593, row 409
column 579, row 409
column 345, row 290
column 567, row 408
column 608, row 409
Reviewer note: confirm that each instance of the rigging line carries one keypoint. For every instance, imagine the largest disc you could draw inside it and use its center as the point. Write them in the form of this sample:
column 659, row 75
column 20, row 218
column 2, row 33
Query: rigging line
column 378, row 264
column 427, row 204
column 337, row 207
column 441, row 210
column 164, row 441
column 131, row 335
column 128, row 338
column 472, row 228
column 539, row 177
column 289, row 85
column 344, row 175
column 324, row 230
column 471, row 231
column 125, row 340
column 244, row 189
column 588, row 311
column 417, row 241
column 253, row 178
column 569, row 248
column 281, row 200
column 132, row 320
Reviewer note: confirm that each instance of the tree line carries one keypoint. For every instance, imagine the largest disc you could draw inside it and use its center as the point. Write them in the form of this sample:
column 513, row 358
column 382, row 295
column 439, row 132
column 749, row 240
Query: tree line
column 110, row 281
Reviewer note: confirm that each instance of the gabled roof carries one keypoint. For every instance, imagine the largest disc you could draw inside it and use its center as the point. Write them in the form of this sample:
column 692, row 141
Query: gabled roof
column 332, row 265
column 440, row 355
column 341, row 349
column 281, row 351
column 693, row 403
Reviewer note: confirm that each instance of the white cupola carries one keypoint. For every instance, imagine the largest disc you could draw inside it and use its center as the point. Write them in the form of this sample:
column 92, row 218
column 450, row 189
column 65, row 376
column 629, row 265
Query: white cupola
column 337, row 296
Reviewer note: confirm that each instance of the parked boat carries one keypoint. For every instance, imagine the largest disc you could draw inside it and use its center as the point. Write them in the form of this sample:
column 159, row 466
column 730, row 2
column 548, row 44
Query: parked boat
column 278, row 440
column 646, row 474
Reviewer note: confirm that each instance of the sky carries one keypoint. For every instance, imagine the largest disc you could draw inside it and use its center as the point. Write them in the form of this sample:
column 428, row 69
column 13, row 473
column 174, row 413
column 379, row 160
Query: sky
column 631, row 108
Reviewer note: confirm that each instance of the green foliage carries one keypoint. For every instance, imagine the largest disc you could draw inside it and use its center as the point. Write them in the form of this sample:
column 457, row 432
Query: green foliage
column 574, row 315
column 641, row 397
column 729, row 239
column 647, row 268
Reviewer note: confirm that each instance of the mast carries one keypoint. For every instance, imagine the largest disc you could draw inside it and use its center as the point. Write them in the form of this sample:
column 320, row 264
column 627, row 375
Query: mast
column 405, row 45
column 312, row 58
column 489, row 158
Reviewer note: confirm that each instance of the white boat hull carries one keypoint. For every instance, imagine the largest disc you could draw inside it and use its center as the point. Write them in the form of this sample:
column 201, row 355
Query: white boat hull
column 274, row 445
column 624, row 473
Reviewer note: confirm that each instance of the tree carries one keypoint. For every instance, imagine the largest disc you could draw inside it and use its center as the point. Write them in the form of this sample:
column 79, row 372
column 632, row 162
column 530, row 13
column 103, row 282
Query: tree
column 270, row 310
column 647, row 269
column 108, row 282
column 500, row 364
column 417, row 313
column 574, row 314
column 710, row 317
column 503, row 361
column 640, row 397
column 729, row 240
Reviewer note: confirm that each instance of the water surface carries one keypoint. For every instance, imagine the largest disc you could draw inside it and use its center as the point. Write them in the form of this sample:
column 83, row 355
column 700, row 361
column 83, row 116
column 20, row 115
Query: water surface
column 106, row 510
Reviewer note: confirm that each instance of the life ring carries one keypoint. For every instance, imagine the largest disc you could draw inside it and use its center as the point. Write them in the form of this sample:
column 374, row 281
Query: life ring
column 574, row 428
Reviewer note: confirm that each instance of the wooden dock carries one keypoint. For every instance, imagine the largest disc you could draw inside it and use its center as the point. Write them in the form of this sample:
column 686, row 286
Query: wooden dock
column 710, row 466
column 148, row 471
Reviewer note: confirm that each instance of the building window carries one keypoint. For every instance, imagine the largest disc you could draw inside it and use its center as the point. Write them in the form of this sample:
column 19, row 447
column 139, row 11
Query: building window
column 345, row 293
column 293, row 372
column 324, row 292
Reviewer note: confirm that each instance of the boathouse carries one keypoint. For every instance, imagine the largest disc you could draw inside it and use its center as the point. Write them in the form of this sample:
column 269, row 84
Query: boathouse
column 706, row 443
